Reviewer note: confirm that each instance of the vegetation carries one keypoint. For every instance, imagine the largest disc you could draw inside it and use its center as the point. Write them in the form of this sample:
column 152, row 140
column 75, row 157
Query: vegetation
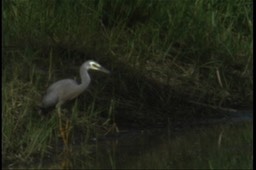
column 169, row 59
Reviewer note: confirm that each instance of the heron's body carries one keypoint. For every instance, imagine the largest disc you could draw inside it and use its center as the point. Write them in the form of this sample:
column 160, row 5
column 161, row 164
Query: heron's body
column 57, row 92
column 64, row 90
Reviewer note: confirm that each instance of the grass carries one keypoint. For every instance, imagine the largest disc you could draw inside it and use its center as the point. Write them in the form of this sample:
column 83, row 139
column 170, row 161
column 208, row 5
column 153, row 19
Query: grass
column 163, row 56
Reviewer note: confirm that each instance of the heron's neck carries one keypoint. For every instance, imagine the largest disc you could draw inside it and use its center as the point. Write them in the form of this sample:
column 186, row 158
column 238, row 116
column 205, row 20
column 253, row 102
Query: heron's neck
column 85, row 79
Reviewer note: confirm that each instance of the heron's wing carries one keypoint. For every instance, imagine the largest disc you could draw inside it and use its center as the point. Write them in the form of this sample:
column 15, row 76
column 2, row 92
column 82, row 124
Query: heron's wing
column 53, row 93
column 61, row 84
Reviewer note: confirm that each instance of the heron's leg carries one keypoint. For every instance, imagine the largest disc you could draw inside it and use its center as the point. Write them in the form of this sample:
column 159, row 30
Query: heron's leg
column 59, row 111
column 62, row 130
column 67, row 130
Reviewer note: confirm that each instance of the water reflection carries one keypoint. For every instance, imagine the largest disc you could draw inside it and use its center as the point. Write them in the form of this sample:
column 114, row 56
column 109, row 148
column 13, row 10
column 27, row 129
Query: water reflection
column 221, row 145
column 180, row 149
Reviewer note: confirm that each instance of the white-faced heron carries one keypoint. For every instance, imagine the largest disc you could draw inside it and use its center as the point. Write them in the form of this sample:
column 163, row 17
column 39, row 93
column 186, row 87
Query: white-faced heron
column 65, row 90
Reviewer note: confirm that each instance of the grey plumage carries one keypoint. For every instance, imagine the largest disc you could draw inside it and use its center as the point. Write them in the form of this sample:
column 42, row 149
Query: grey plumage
column 65, row 90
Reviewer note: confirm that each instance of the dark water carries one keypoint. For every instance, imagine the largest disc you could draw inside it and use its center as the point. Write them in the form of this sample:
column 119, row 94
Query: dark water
column 171, row 146
column 213, row 143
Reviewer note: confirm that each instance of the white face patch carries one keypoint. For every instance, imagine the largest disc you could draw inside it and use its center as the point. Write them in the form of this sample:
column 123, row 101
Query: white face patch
column 94, row 65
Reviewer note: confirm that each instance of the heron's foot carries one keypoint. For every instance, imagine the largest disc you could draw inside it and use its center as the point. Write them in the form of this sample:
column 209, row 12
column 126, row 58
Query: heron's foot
column 112, row 128
column 65, row 164
column 65, row 158
column 65, row 131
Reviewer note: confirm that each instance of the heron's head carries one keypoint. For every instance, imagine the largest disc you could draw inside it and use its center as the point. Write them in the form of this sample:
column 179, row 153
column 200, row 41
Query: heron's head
column 95, row 66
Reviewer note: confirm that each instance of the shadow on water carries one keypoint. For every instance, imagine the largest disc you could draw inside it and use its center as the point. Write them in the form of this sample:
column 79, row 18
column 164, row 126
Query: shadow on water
column 215, row 143
column 202, row 144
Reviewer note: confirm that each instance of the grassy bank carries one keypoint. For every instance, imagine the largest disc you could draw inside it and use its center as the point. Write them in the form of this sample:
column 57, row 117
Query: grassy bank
column 167, row 58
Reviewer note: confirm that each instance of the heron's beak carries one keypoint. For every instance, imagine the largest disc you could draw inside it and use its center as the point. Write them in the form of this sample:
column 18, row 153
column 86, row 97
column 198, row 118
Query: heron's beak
column 103, row 70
